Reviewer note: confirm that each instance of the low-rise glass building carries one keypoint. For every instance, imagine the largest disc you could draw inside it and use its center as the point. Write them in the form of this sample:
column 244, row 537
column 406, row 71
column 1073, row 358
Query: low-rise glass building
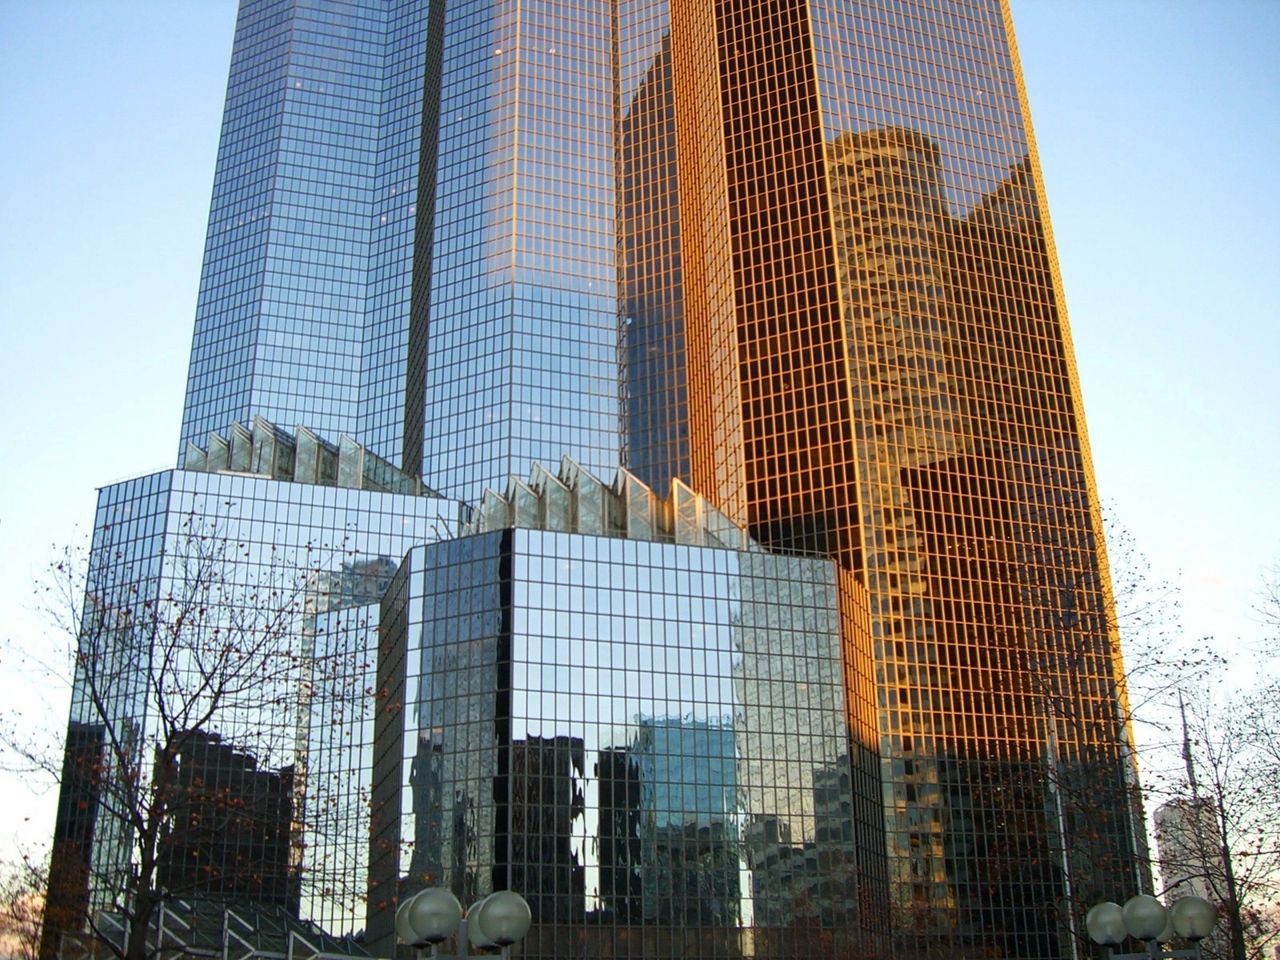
column 223, row 673
column 621, row 708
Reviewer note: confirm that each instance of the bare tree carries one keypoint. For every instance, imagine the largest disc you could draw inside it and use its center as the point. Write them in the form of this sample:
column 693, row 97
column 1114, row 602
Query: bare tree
column 1219, row 830
column 1096, row 704
column 177, row 776
column 22, row 889
column 1269, row 597
column 1260, row 716
column 1218, row 827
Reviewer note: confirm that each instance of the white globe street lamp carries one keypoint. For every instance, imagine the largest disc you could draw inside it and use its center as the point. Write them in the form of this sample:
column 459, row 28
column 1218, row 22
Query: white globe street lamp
column 1105, row 923
column 428, row 918
column 504, row 917
column 475, row 929
column 1145, row 918
column 432, row 916
column 1193, row 918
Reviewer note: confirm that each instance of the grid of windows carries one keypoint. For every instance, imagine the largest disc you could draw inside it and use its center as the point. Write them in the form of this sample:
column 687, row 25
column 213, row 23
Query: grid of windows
column 981, row 544
column 646, row 739
column 796, row 253
column 303, row 309
column 337, row 750
column 386, row 423
column 257, row 589
column 522, row 338
column 650, row 284
column 905, row 404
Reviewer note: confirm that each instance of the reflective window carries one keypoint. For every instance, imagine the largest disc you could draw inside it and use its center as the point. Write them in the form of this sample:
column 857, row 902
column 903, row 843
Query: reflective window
column 648, row 740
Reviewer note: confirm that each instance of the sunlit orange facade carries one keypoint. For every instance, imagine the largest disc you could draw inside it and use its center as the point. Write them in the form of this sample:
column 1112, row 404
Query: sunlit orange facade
column 867, row 339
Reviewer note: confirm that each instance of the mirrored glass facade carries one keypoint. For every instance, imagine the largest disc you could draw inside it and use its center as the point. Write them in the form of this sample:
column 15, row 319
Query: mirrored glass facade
column 521, row 352
column 303, row 311
column 646, row 738
column 852, row 689
column 903, row 400
column 229, row 616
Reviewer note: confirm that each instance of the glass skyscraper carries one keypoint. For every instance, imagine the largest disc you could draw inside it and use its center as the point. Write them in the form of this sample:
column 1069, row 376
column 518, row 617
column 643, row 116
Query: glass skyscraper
column 851, row 688
column 311, row 241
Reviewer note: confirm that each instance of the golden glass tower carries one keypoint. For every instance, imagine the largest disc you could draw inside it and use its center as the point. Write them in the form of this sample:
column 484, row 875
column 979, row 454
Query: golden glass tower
column 844, row 319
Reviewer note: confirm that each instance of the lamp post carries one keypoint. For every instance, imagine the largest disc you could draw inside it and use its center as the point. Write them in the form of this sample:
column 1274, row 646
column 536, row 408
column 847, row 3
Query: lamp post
column 1145, row 918
column 431, row 916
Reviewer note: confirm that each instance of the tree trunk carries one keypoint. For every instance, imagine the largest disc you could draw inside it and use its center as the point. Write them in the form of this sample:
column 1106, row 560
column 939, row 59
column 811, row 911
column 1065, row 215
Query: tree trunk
column 139, row 921
column 1235, row 923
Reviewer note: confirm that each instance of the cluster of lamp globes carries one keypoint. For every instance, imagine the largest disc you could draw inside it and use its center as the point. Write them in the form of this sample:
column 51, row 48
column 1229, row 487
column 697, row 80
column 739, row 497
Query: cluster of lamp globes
column 1146, row 918
column 431, row 916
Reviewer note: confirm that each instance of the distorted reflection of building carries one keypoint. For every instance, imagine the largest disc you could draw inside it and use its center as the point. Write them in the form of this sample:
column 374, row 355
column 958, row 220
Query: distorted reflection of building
column 834, row 841
column 335, row 748
column 1000, row 770
column 230, row 833
column 602, row 691
column 546, row 804
column 808, row 881
column 688, row 779
column 426, row 786
column 620, row 848
column 74, row 834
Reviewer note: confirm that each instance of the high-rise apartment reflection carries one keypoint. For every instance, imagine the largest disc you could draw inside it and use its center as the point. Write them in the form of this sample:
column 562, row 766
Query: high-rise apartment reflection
column 686, row 773
column 231, row 833
column 621, row 844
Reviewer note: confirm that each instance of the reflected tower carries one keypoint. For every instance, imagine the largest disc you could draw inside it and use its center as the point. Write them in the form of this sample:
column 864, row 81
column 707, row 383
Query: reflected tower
column 878, row 370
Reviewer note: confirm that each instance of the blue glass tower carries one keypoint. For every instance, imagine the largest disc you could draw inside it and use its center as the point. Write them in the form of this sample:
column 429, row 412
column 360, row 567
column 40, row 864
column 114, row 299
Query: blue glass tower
column 523, row 325
column 302, row 316
column 392, row 251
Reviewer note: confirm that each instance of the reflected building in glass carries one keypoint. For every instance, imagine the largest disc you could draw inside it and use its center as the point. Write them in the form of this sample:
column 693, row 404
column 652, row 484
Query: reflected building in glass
column 256, row 570
column 623, row 708
column 853, row 688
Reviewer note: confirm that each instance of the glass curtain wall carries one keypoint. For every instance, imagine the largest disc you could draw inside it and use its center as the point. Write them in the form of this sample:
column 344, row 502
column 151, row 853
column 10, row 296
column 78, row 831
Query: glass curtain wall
column 903, row 400
column 303, row 311
column 647, row 740
column 522, row 341
column 226, row 628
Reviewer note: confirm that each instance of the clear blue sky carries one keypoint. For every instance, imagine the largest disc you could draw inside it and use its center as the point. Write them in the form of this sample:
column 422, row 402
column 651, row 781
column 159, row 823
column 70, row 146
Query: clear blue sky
column 1157, row 123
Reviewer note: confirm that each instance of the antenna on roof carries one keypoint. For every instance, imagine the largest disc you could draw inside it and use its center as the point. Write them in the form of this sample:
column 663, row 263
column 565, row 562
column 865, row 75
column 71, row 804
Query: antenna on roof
column 1186, row 749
